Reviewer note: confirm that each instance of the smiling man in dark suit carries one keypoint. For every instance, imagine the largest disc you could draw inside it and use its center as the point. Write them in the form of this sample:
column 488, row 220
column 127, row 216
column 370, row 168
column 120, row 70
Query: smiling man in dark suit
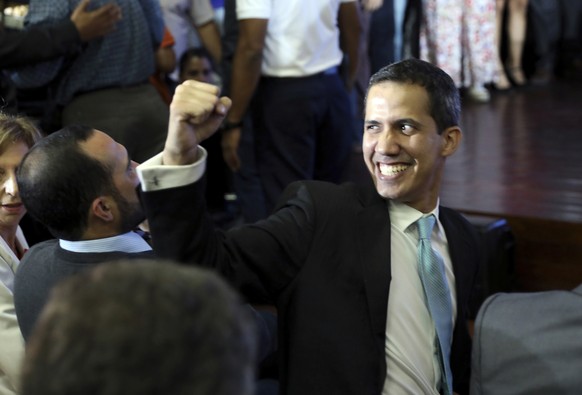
column 340, row 261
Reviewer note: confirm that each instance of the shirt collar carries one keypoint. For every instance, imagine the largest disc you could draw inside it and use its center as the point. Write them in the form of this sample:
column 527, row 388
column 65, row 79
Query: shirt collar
column 402, row 215
column 129, row 242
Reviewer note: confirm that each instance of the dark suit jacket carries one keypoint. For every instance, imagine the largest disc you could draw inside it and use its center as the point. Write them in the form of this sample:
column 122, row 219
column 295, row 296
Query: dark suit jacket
column 324, row 257
column 43, row 267
column 529, row 343
column 46, row 264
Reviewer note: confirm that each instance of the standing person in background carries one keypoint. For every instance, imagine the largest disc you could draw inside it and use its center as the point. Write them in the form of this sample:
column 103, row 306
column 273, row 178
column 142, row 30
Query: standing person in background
column 386, row 31
column 570, row 64
column 39, row 43
column 381, row 33
column 185, row 17
column 218, row 6
column 165, row 63
column 516, row 29
column 459, row 37
column 381, row 43
column 17, row 135
column 107, row 85
column 250, row 197
column 399, row 20
column 548, row 22
column 358, row 92
column 288, row 56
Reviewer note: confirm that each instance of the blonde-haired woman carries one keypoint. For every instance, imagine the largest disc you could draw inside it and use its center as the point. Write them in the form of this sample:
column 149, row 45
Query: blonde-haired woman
column 17, row 135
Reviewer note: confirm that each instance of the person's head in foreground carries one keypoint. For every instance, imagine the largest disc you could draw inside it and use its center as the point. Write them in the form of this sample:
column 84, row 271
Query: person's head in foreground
column 81, row 184
column 411, row 127
column 141, row 327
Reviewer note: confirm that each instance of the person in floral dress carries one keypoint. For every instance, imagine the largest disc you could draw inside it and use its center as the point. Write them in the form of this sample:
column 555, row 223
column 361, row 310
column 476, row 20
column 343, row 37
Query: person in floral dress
column 459, row 37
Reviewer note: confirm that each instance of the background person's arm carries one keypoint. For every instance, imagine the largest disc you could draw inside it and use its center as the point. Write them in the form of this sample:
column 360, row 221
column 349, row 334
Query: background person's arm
column 246, row 72
column 20, row 48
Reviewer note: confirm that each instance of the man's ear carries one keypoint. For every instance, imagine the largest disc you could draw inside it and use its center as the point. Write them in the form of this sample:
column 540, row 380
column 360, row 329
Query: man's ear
column 103, row 208
column 451, row 140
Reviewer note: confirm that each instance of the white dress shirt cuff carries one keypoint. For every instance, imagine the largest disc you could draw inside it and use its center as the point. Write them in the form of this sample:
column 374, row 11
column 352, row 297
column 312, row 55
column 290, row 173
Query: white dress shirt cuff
column 154, row 175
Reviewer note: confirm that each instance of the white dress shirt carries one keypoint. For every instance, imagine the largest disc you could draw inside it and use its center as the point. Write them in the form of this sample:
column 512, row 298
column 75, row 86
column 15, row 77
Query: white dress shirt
column 411, row 363
column 154, row 176
column 130, row 242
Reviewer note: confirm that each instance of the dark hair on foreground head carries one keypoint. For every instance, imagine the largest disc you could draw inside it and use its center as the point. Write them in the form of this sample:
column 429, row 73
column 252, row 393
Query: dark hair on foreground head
column 142, row 327
column 444, row 100
column 58, row 181
column 17, row 129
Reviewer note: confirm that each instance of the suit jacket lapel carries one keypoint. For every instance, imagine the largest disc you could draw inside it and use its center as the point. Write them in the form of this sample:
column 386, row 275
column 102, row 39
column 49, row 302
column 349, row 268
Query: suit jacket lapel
column 373, row 242
column 458, row 248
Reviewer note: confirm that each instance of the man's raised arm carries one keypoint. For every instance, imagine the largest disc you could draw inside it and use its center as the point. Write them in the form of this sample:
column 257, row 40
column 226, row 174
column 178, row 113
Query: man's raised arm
column 196, row 113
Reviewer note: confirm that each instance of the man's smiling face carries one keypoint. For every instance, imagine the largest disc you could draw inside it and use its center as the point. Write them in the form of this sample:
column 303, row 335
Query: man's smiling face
column 402, row 148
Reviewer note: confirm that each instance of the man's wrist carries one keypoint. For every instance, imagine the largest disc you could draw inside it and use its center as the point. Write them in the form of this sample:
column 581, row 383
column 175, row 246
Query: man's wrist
column 155, row 175
column 229, row 125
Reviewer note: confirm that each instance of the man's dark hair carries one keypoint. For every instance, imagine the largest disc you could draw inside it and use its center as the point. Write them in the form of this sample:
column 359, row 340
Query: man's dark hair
column 142, row 327
column 58, row 181
column 443, row 95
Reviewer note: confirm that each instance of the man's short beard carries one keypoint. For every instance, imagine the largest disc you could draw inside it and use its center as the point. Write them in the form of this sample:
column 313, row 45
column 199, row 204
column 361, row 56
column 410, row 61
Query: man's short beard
column 132, row 214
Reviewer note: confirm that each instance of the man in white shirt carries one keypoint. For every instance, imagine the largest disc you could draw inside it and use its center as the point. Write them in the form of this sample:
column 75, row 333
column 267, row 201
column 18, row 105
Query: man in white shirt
column 286, row 73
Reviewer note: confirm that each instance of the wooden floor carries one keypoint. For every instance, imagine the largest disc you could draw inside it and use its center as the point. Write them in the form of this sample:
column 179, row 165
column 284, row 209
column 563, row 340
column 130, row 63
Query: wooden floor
column 521, row 160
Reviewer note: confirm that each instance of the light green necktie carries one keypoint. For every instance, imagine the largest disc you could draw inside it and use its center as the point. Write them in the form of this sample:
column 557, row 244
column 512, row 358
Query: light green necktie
column 436, row 290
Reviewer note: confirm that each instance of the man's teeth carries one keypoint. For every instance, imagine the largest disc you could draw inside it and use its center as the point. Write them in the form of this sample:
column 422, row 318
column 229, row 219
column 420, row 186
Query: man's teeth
column 390, row 170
